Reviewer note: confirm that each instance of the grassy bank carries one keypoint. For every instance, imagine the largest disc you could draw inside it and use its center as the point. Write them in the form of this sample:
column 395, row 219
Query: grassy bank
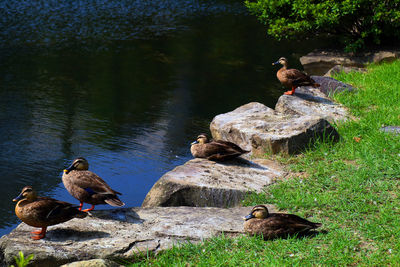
column 352, row 187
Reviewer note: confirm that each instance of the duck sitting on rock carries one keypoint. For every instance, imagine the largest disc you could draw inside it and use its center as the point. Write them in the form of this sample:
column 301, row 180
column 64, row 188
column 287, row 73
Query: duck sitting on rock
column 292, row 78
column 43, row 211
column 87, row 187
column 275, row 225
column 217, row 150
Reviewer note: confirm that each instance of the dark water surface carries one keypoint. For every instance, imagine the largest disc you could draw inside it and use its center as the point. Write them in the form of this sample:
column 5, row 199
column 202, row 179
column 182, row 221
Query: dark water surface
column 128, row 91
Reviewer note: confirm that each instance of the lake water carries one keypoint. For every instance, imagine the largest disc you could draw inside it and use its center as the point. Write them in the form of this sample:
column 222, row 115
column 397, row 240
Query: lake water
column 126, row 84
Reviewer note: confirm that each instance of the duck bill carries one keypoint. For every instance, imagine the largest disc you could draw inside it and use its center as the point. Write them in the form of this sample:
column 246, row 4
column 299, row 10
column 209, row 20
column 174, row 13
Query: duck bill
column 70, row 168
column 248, row 217
column 275, row 63
column 19, row 197
column 193, row 143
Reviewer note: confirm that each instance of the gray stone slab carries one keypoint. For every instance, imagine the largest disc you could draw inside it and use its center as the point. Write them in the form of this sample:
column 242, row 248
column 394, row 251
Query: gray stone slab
column 262, row 130
column 318, row 62
column 310, row 101
column 201, row 182
column 121, row 234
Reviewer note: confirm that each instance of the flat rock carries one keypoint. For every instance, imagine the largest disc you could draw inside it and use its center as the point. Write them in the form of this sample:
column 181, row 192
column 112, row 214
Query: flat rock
column 331, row 86
column 121, row 234
column 93, row 263
column 308, row 101
column 319, row 62
column 205, row 183
column 338, row 68
column 261, row 129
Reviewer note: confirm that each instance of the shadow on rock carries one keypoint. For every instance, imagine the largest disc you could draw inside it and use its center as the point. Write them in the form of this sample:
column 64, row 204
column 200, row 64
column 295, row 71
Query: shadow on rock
column 61, row 235
column 243, row 163
column 303, row 94
column 121, row 214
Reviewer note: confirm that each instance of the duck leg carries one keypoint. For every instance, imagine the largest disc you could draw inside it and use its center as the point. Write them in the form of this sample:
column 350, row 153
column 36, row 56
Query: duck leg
column 80, row 206
column 290, row 92
column 91, row 208
column 39, row 234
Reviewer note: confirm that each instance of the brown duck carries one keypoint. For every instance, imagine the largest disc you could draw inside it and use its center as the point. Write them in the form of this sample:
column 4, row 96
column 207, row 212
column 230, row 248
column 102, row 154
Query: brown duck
column 87, row 187
column 215, row 150
column 275, row 225
column 292, row 78
column 43, row 211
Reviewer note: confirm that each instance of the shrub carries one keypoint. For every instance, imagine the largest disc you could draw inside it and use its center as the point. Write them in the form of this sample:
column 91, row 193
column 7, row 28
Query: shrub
column 357, row 23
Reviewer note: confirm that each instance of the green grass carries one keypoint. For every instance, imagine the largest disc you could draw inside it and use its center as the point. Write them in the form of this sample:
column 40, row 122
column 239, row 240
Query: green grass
column 351, row 187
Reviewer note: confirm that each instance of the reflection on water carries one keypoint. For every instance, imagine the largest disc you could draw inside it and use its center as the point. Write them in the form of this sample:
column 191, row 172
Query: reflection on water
column 131, row 108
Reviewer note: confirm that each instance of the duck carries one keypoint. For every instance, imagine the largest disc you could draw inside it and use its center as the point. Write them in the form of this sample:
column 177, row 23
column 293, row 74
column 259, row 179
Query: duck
column 88, row 187
column 293, row 78
column 216, row 150
column 275, row 225
column 42, row 212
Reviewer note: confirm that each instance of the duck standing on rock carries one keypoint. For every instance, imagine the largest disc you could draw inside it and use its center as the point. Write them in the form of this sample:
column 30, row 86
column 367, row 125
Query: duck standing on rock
column 215, row 150
column 292, row 78
column 43, row 211
column 87, row 187
column 275, row 225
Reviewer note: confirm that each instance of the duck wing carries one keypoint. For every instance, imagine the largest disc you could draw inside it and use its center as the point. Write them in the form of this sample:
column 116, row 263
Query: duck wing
column 54, row 211
column 290, row 223
column 92, row 183
column 294, row 75
column 298, row 78
column 231, row 145
column 223, row 150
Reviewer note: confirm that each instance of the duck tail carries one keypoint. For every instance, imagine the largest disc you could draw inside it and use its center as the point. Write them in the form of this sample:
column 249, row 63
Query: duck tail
column 316, row 225
column 115, row 202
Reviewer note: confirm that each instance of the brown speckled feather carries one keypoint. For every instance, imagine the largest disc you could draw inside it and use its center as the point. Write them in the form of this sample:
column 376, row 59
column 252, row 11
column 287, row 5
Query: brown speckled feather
column 294, row 77
column 278, row 225
column 77, row 183
column 44, row 211
column 217, row 150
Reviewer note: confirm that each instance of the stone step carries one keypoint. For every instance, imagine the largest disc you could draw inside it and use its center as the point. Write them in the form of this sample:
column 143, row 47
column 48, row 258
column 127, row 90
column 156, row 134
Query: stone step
column 122, row 233
column 202, row 183
column 261, row 129
column 309, row 101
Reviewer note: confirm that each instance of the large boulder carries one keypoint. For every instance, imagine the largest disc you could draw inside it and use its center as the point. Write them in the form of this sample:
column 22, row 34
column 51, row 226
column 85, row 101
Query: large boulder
column 261, row 129
column 308, row 101
column 330, row 86
column 319, row 62
column 121, row 234
column 205, row 183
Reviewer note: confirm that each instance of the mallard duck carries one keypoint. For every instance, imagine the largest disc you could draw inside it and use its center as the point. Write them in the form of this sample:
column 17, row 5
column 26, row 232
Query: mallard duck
column 43, row 211
column 274, row 225
column 292, row 78
column 215, row 150
column 87, row 187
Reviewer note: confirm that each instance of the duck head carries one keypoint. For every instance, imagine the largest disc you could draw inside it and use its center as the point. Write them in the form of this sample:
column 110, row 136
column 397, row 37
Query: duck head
column 201, row 139
column 80, row 164
column 27, row 193
column 283, row 61
column 259, row 212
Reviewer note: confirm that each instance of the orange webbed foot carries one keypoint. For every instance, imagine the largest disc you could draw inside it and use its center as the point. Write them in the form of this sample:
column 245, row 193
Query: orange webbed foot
column 91, row 208
column 39, row 234
column 288, row 93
